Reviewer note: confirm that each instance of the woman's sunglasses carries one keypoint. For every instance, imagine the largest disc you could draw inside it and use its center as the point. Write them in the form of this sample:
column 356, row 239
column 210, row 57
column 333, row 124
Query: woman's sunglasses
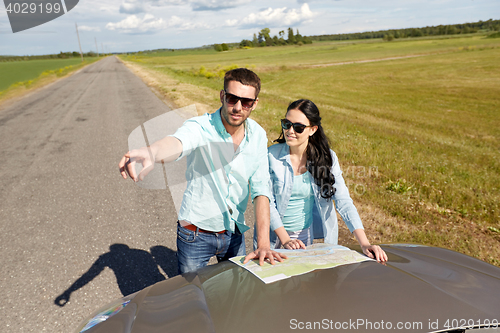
column 246, row 103
column 297, row 127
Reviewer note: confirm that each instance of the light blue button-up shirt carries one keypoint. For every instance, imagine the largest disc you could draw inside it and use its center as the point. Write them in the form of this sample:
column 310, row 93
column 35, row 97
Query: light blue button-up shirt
column 324, row 217
column 218, row 176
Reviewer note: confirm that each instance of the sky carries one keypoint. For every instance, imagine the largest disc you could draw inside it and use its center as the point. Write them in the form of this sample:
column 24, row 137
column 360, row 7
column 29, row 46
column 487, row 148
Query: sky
column 135, row 25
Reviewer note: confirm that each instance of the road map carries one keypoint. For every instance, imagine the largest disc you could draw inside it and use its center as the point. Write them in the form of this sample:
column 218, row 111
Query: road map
column 316, row 256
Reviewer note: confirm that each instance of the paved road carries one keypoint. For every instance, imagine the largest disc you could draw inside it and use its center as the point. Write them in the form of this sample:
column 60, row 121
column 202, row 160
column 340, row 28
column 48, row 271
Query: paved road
column 71, row 227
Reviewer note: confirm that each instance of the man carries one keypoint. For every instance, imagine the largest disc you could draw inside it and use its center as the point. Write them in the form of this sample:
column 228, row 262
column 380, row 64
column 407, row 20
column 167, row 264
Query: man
column 225, row 153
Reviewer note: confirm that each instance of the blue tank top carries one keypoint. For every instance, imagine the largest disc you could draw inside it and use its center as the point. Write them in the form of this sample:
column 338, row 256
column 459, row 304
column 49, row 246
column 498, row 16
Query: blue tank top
column 298, row 215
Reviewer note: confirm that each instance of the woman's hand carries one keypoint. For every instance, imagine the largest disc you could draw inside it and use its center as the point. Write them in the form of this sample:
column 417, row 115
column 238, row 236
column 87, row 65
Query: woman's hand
column 294, row 244
column 371, row 251
column 374, row 252
column 289, row 244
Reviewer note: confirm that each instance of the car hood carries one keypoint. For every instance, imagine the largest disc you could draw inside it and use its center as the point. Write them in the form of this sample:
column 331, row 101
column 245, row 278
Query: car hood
column 420, row 289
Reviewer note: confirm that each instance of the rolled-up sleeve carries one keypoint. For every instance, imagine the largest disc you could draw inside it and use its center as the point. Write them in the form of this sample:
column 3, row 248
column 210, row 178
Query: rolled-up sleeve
column 343, row 201
column 190, row 135
column 276, row 221
column 259, row 180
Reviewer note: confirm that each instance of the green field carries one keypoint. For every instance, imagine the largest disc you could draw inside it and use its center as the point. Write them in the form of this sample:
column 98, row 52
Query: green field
column 19, row 71
column 418, row 135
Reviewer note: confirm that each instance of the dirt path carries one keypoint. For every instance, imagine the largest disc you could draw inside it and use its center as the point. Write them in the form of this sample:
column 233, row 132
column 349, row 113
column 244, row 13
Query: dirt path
column 369, row 60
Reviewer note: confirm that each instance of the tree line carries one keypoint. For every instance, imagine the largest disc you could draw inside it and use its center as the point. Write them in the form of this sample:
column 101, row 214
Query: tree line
column 263, row 37
column 61, row 55
column 440, row 30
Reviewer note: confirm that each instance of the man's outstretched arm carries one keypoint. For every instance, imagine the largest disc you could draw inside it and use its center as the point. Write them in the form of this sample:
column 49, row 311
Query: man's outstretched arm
column 263, row 250
column 165, row 150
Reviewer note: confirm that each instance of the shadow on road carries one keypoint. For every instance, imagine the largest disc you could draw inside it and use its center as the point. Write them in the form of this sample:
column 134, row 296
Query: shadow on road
column 134, row 269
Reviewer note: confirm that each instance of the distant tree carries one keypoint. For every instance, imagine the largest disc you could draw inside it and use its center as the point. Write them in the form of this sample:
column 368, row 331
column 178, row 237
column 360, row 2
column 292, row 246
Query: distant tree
column 388, row 37
column 246, row 43
column 281, row 38
column 261, row 39
column 255, row 40
column 291, row 37
column 416, row 33
column 298, row 37
column 265, row 37
column 218, row 47
column 307, row 40
column 224, row 47
column 452, row 30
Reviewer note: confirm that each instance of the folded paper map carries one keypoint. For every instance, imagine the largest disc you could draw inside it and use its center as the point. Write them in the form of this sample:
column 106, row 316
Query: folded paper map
column 316, row 256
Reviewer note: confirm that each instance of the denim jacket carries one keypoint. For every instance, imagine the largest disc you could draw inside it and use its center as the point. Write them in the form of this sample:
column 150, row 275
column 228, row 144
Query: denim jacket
column 324, row 223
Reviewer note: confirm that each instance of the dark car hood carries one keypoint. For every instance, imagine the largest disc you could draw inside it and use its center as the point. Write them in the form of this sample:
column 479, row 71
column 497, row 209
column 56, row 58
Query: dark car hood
column 420, row 289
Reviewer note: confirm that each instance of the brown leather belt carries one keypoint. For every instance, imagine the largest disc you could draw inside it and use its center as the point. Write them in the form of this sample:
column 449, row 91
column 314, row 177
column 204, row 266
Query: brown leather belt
column 192, row 227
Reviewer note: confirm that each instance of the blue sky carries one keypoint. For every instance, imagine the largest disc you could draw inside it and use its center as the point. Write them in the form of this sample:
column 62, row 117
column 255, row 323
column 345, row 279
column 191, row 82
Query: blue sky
column 134, row 25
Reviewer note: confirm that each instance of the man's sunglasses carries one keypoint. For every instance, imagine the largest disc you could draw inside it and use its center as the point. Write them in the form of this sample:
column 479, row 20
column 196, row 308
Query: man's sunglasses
column 246, row 103
column 297, row 127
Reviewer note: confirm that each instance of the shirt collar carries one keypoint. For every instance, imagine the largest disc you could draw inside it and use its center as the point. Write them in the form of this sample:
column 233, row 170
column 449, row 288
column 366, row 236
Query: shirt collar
column 217, row 121
column 285, row 152
column 219, row 125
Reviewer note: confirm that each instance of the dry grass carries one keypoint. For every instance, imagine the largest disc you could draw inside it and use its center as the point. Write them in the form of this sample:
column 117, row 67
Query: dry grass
column 173, row 92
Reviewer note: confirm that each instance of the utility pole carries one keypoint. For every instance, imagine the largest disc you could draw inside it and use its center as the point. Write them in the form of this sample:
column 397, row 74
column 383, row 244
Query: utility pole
column 96, row 47
column 81, row 53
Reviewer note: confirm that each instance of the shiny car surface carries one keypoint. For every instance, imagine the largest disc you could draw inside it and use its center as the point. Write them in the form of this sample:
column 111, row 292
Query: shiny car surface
column 420, row 289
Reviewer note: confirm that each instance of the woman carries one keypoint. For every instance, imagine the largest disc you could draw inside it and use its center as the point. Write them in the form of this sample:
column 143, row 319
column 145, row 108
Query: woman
column 306, row 177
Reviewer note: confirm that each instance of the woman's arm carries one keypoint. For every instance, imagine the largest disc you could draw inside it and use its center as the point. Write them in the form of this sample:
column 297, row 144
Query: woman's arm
column 372, row 251
column 349, row 213
column 290, row 244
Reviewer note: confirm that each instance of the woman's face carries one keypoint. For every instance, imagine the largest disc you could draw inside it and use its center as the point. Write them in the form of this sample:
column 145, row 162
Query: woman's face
column 294, row 138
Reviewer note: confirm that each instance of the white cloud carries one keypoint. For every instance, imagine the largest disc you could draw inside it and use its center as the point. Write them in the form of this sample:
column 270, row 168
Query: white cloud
column 231, row 23
column 135, row 25
column 278, row 17
column 87, row 28
column 184, row 25
column 201, row 5
column 167, row 2
column 132, row 7
column 149, row 24
column 108, row 9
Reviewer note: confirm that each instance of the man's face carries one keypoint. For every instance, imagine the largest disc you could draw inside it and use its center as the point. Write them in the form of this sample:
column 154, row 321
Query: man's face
column 233, row 115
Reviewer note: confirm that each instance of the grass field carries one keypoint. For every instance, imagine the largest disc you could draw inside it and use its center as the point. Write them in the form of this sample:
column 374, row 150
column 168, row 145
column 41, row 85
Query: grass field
column 18, row 71
column 415, row 124
column 17, row 76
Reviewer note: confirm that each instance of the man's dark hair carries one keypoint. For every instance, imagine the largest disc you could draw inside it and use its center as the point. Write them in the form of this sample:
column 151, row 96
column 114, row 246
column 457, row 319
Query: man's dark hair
column 243, row 76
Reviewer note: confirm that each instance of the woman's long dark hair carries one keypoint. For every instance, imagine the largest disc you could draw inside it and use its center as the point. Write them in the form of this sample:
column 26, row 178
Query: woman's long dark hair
column 319, row 159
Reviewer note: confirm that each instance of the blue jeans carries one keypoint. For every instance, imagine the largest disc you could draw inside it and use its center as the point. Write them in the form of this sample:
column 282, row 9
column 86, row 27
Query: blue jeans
column 194, row 249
